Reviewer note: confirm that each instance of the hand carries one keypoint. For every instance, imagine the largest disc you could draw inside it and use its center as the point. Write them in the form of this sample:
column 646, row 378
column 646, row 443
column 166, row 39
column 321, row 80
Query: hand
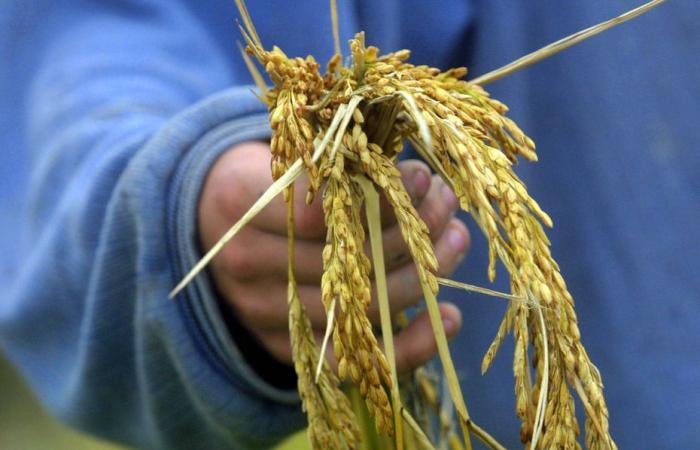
column 251, row 271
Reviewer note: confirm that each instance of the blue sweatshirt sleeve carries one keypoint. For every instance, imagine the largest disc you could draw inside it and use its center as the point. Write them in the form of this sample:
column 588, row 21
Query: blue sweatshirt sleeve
column 118, row 161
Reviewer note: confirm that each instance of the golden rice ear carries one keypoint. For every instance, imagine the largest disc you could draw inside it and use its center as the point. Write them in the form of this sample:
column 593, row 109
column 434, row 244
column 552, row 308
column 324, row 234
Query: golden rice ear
column 332, row 423
column 346, row 278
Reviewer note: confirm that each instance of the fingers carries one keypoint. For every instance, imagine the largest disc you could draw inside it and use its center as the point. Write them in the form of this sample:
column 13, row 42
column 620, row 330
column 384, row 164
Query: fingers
column 309, row 219
column 416, row 344
column 415, row 176
column 255, row 254
column 403, row 284
column 436, row 209
column 262, row 304
column 452, row 247
column 253, row 274
column 438, row 206
column 240, row 176
column 255, row 281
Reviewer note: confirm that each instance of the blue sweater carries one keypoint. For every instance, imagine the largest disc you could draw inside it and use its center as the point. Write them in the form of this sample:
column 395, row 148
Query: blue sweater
column 111, row 113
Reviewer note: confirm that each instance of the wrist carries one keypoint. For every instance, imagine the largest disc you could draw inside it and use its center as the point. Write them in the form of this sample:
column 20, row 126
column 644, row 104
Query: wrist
column 199, row 302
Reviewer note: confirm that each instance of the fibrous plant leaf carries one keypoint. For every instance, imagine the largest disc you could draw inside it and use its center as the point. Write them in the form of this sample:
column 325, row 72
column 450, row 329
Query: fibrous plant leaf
column 375, row 234
column 562, row 44
column 253, row 69
column 479, row 289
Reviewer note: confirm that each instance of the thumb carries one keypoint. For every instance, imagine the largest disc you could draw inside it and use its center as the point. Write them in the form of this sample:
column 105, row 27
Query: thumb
column 415, row 345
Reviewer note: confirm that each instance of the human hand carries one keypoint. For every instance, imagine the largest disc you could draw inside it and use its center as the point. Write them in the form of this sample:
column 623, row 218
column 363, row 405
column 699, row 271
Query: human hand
column 251, row 270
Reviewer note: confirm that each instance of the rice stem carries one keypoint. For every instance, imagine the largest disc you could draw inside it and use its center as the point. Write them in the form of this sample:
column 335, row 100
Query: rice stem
column 375, row 236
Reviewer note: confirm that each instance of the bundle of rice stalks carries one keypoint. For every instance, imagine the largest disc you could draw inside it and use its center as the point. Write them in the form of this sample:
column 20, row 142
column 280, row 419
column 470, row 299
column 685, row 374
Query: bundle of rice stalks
column 345, row 129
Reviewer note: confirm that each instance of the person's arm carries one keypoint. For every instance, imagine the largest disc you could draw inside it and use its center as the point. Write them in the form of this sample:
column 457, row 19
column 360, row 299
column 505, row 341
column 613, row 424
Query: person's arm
column 118, row 162
column 126, row 187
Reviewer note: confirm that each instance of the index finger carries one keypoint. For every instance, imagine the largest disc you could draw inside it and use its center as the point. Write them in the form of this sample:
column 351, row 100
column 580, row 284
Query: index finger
column 309, row 222
column 415, row 177
column 243, row 174
column 309, row 218
column 246, row 169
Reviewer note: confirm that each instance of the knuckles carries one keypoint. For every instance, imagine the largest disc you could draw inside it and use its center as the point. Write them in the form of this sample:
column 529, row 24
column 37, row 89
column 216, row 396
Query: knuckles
column 239, row 260
column 309, row 221
column 432, row 218
column 232, row 177
column 435, row 214
column 448, row 261
column 460, row 226
column 256, row 309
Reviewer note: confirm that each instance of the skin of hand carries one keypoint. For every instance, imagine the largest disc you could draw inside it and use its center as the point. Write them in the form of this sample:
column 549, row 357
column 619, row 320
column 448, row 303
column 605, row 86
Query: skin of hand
column 251, row 271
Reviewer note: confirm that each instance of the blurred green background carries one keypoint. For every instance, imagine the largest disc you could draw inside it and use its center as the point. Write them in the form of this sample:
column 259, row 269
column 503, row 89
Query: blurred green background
column 24, row 425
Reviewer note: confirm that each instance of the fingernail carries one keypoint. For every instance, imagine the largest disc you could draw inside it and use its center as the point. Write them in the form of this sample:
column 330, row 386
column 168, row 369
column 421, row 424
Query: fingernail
column 449, row 197
column 450, row 326
column 421, row 183
column 457, row 239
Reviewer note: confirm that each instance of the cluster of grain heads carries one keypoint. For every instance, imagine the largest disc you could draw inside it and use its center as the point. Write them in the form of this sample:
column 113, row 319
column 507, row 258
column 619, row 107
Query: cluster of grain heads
column 346, row 283
column 345, row 129
column 332, row 423
column 472, row 143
